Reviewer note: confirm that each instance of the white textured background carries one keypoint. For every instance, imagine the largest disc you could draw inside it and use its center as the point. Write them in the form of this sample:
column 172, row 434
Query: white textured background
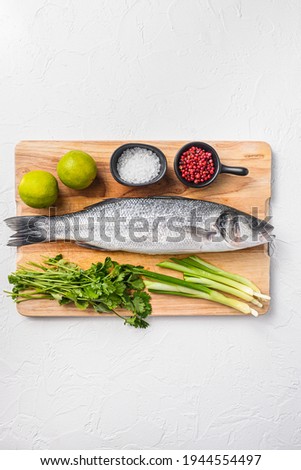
column 216, row 69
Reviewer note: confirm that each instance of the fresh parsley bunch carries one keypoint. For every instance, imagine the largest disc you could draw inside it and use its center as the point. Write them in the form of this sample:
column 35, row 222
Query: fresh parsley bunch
column 104, row 286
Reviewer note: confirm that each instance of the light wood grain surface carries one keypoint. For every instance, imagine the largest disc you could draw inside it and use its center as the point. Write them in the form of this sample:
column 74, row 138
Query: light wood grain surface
column 244, row 193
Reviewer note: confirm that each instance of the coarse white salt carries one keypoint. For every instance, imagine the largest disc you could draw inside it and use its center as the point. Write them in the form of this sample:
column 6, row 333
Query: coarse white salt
column 138, row 165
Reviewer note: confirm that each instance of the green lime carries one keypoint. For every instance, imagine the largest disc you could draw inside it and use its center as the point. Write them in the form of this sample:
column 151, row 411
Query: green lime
column 38, row 189
column 77, row 169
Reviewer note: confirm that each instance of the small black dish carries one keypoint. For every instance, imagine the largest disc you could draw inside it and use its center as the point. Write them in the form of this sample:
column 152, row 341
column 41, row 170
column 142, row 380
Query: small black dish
column 118, row 152
column 219, row 167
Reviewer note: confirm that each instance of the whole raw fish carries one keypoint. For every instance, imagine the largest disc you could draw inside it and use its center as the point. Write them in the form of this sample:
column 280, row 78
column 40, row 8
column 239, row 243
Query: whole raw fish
column 147, row 225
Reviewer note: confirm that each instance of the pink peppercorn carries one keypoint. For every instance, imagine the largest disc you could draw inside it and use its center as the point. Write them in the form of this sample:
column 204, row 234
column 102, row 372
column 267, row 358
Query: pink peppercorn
column 196, row 165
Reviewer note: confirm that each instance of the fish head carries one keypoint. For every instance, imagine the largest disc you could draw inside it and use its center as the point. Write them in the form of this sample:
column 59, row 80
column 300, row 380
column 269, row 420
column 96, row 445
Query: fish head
column 240, row 230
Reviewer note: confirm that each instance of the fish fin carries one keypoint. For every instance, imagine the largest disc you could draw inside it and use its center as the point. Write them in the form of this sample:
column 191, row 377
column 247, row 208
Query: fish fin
column 28, row 230
column 168, row 197
column 101, row 203
column 88, row 245
column 114, row 199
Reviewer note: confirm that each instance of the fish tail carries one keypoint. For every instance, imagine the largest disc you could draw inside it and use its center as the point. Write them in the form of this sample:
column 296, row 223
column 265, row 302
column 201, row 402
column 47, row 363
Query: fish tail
column 28, row 230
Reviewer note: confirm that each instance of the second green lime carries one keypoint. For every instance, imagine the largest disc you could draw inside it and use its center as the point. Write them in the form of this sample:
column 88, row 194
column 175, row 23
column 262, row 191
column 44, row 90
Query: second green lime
column 77, row 169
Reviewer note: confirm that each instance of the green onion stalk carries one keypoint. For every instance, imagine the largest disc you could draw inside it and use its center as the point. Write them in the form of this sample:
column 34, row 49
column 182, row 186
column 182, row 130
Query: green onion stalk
column 193, row 269
column 162, row 284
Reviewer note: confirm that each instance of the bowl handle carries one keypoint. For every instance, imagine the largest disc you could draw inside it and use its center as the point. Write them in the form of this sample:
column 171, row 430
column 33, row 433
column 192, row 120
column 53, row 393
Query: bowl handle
column 234, row 170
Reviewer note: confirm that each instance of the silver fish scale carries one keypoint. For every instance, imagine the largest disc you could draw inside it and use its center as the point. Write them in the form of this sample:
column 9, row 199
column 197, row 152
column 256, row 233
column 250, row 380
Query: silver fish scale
column 147, row 225
column 143, row 225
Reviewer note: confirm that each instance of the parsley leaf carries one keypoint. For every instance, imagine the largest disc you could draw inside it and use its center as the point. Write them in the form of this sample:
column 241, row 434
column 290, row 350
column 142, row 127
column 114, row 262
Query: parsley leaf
column 108, row 287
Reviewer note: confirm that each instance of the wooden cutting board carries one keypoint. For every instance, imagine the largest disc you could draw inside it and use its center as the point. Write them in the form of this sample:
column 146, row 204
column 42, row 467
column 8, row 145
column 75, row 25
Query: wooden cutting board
column 244, row 193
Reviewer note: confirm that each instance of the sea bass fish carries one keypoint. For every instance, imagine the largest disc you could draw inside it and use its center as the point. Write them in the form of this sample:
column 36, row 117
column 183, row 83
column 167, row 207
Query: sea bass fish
column 152, row 225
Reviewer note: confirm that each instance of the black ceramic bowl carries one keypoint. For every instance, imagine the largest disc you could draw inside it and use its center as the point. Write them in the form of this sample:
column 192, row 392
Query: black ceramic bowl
column 118, row 152
column 219, row 167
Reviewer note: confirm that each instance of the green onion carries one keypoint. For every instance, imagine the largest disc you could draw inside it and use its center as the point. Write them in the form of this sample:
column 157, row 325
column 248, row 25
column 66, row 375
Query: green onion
column 170, row 280
column 188, row 289
column 190, row 267
column 205, row 281
column 223, row 288
column 213, row 269
column 179, row 265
